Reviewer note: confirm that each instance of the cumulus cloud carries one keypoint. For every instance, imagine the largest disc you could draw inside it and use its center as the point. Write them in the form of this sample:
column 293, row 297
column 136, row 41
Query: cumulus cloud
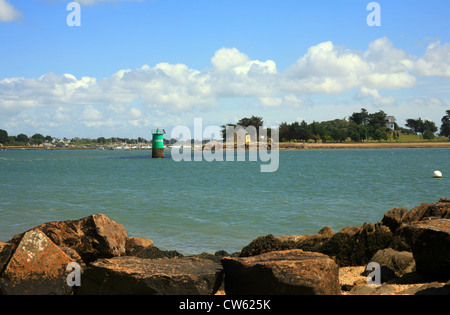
column 8, row 13
column 435, row 62
column 136, row 97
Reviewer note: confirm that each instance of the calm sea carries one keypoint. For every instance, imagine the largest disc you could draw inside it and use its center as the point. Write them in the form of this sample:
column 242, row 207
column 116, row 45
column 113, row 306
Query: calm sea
column 195, row 207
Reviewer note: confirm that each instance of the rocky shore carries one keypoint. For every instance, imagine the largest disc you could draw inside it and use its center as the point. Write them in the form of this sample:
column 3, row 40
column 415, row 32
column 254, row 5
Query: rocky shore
column 95, row 256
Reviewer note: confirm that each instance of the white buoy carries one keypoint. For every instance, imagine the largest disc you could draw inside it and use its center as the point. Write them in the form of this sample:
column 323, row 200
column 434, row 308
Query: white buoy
column 437, row 174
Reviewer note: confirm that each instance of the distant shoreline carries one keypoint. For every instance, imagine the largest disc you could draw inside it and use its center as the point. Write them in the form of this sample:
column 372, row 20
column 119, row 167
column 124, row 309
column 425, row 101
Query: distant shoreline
column 286, row 146
column 365, row 145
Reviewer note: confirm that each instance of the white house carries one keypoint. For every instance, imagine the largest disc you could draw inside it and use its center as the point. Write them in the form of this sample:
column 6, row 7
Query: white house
column 390, row 122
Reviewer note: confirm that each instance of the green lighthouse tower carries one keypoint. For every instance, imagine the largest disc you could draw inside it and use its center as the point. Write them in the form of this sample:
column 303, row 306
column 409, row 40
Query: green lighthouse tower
column 158, row 143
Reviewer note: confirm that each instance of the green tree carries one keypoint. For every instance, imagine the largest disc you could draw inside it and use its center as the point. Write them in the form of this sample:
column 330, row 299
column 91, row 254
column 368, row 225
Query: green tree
column 421, row 126
column 317, row 131
column 415, row 125
column 428, row 134
column 284, row 132
column 430, row 126
column 4, row 139
column 380, row 134
column 22, row 138
column 304, row 131
column 445, row 127
column 37, row 138
column 252, row 121
column 361, row 118
column 353, row 132
column 294, row 131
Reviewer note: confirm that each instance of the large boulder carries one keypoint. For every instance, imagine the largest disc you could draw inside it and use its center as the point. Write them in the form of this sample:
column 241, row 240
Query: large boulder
column 37, row 267
column 142, row 247
column 370, row 239
column 6, row 250
column 261, row 245
column 440, row 209
column 397, row 220
column 164, row 276
column 268, row 243
column 430, row 244
column 289, row 272
column 351, row 246
column 400, row 263
column 393, row 218
column 91, row 238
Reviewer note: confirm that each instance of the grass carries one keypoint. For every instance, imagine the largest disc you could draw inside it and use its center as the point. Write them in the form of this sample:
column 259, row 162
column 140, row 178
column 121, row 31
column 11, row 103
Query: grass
column 419, row 138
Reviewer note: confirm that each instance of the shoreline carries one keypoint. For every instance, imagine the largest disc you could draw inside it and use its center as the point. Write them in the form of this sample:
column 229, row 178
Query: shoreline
column 365, row 145
column 286, row 146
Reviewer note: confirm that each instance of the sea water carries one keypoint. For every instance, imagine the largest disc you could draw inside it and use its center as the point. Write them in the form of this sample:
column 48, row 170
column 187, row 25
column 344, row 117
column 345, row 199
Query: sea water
column 202, row 206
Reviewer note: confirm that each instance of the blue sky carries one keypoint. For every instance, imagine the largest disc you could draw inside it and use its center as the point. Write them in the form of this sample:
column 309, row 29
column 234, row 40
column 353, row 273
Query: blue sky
column 135, row 65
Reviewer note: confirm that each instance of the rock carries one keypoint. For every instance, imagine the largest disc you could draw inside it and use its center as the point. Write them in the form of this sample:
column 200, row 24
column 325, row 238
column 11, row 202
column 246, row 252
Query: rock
column 268, row 243
column 281, row 273
column 6, row 250
column 37, row 267
column 351, row 246
column 371, row 290
column 261, row 245
column 416, row 213
column 340, row 245
column 135, row 245
column 393, row 218
column 216, row 257
column 165, row 276
column 400, row 263
column 154, row 252
column 92, row 237
column 430, row 244
column 433, row 288
column 440, row 209
column 355, row 246
column 315, row 243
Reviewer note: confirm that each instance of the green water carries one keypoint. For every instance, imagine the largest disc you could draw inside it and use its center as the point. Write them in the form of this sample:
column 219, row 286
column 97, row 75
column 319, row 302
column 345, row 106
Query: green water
column 194, row 207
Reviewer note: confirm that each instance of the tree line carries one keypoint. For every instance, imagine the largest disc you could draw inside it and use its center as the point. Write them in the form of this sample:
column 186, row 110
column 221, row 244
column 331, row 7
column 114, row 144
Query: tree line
column 360, row 126
column 38, row 139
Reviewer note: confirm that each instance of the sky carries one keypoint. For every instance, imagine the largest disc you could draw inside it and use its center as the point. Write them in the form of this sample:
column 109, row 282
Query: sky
column 135, row 65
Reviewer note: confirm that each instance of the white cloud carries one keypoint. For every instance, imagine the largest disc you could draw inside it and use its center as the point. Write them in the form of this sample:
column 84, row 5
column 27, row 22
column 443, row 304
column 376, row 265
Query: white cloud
column 134, row 97
column 8, row 13
column 435, row 62
column 92, row 114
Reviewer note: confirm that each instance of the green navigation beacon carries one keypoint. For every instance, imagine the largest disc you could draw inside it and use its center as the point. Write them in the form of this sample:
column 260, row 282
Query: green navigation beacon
column 158, row 143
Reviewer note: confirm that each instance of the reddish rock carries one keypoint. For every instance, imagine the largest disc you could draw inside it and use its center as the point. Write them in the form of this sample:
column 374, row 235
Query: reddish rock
column 135, row 245
column 164, row 276
column 289, row 272
column 37, row 267
column 92, row 237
